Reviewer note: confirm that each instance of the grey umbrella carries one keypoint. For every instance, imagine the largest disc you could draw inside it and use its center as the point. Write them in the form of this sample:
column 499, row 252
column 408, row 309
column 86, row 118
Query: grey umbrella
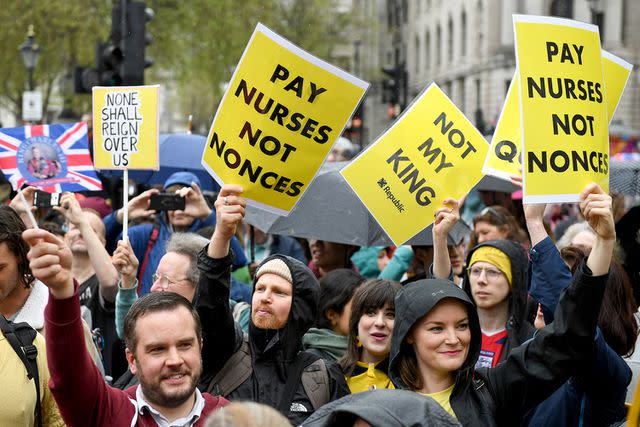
column 329, row 210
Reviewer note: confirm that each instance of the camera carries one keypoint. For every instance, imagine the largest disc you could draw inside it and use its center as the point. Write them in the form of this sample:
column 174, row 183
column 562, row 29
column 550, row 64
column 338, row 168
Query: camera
column 166, row 202
column 42, row 199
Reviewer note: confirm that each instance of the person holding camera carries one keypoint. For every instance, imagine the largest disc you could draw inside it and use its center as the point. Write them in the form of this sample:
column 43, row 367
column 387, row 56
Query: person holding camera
column 148, row 240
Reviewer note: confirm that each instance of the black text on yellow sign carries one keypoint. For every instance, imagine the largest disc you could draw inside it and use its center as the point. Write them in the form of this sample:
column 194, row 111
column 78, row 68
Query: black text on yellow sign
column 574, row 124
column 270, row 145
column 409, row 173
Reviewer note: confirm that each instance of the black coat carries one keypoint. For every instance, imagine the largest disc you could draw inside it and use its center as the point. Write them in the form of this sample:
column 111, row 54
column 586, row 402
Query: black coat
column 532, row 372
column 273, row 352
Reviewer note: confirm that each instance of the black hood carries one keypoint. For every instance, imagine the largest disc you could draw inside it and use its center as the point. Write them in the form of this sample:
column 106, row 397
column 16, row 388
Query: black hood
column 382, row 408
column 416, row 300
column 284, row 344
column 519, row 264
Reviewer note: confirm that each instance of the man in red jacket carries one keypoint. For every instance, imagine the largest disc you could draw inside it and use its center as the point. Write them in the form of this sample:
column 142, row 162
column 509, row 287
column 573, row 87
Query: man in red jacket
column 163, row 337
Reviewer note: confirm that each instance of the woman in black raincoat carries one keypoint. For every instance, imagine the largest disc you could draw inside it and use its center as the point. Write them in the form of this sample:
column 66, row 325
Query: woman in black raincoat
column 436, row 339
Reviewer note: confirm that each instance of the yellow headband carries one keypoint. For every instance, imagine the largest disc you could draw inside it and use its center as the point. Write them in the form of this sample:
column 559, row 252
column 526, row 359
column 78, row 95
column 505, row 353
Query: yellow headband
column 495, row 257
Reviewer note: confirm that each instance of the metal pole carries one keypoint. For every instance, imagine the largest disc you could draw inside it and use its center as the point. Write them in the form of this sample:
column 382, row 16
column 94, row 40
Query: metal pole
column 30, row 77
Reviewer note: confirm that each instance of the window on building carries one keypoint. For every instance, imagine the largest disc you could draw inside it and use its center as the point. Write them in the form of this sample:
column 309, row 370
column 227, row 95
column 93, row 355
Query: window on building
column 438, row 44
column 463, row 34
column 417, row 56
column 450, row 40
column 462, row 94
column 427, row 52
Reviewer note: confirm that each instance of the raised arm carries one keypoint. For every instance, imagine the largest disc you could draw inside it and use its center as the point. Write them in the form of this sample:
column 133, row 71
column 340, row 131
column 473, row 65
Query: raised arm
column 138, row 209
column 72, row 371
column 98, row 255
column 125, row 261
column 534, row 370
column 212, row 296
column 446, row 218
column 549, row 274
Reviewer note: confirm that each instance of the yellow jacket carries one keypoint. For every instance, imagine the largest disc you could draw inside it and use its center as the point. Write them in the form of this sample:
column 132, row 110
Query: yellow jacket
column 18, row 393
column 370, row 376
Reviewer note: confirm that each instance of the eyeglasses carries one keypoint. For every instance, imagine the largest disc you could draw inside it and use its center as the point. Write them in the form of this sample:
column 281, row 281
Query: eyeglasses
column 489, row 273
column 493, row 212
column 165, row 281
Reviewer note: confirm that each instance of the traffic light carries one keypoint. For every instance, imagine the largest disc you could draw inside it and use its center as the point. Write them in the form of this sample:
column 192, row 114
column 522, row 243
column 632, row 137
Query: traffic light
column 120, row 60
column 391, row 84
column 134, row 43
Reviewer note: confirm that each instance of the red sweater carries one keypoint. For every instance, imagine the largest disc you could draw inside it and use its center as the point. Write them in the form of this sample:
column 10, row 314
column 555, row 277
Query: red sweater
column 82, row 396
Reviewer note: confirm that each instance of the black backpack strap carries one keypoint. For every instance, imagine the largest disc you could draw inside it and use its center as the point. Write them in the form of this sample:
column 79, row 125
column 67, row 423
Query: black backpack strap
column 315, row 380
column 293, row 380
column 234, row 372
column 20, row 336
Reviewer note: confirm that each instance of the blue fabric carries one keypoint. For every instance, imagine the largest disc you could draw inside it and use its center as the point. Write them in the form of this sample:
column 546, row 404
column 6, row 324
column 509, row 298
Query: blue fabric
column 599, row 394
column 550, row 278
column 139, row 236
column 240, row 292
column 398, row 265
column 285, row 245
column 182, row 178
column 366, row 261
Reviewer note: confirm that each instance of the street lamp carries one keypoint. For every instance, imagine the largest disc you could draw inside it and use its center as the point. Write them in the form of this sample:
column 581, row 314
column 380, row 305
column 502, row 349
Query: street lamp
column 30, row 52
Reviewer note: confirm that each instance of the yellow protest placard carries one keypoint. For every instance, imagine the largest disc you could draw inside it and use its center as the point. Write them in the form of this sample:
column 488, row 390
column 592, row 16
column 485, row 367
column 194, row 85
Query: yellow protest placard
column 125, row 127
column 616, row 75
column 278, row 120
column 563, row 111
column 431, row 152
column 504, row 156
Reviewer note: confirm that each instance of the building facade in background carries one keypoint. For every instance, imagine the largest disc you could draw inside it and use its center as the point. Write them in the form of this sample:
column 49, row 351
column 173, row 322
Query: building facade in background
column 467, row 48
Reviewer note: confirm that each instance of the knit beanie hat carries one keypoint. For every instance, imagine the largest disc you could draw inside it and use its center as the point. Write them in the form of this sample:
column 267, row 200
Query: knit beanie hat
column 495, row 257
column 275, row 266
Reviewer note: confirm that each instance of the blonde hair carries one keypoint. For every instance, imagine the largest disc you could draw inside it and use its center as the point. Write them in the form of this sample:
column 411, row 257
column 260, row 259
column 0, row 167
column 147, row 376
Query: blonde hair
column 247, row 414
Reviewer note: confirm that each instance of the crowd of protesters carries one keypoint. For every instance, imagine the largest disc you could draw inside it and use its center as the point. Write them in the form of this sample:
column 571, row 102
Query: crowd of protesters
column 525, row 317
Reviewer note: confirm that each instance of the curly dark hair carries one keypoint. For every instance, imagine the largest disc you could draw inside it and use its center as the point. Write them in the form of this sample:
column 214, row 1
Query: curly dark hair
column 11, row 228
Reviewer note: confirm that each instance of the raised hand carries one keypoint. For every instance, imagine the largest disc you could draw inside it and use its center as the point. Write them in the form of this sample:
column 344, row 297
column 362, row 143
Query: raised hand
column 138, row 206
column 596, row 209
column 18, row 205
column 446, row 217
column 50, row 261
column 125, row 261
column 70, row 209
column 230, row 206
column 195, row 203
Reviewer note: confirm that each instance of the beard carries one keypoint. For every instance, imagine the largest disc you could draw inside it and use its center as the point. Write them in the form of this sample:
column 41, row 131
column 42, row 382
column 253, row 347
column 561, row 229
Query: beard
column 265, row 322
column 155, row 392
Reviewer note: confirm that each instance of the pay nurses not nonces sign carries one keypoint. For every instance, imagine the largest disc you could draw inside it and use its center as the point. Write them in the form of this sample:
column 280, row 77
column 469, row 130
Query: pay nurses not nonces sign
column 431, row 152
column 564, row 122
column 505, row 154
column 282, row 112
column 125, row 127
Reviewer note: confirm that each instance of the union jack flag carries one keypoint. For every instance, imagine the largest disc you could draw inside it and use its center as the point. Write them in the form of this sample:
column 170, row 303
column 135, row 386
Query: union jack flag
column 54, row 158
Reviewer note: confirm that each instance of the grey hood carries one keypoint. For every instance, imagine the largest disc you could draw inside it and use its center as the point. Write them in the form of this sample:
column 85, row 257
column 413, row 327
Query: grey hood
column 382, row 408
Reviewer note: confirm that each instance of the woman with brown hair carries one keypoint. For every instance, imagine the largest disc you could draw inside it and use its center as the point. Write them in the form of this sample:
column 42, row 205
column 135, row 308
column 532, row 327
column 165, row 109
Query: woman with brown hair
column 370, row 327
column 437, row 338
column 496, row 223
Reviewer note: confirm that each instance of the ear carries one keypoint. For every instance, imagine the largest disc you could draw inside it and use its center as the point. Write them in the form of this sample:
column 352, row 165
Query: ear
column 332, row 316
column 131, row 360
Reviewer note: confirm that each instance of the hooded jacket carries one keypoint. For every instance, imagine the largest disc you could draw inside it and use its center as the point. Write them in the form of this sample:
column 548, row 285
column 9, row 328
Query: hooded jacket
column 529, row 374
column 382, row 408
column 519, row 329
column 274, row 353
